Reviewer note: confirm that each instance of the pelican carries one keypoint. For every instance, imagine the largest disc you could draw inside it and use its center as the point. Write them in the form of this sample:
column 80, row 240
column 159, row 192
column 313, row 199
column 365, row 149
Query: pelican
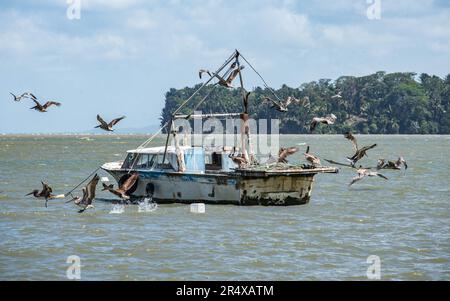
column 311, row 158
column 397, row 165
column 362, row 173
column 282, row 106
column 352, row 139
column 85, row 202
column 227, row 82
column 239, row 160
column 360, row 153
column 201, row 71
column 124, row 190
column 45, row 193
column 330, row 119
column 23, row 95
column 285, row 152
column 108, row 126
column 338, row 95
column 43, row 108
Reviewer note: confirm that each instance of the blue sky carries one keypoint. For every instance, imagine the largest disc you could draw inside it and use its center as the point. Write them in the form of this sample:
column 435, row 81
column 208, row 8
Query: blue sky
column 122, row 56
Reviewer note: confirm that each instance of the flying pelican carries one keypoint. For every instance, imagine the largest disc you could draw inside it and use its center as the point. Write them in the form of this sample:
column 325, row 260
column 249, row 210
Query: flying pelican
column 108, row 126
column 285, row 152
column 338, row 95
column 362, row 173
column 282, row 106
column 201, row 71
column 360, row 153
column 85, row 202
column 314, row 160
column 45, row 193
column 349, row 136
column 23, row 95
column 227, row 82
column 43, row 108
column 124, row 190
column 330, row 119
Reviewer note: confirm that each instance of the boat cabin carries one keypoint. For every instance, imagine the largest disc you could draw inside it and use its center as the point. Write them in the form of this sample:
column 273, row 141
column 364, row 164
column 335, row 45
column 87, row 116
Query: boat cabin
column 184, row 159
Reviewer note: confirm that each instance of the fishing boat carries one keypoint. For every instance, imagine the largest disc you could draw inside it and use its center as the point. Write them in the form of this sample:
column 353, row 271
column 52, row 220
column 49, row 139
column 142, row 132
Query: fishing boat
column 185, row 173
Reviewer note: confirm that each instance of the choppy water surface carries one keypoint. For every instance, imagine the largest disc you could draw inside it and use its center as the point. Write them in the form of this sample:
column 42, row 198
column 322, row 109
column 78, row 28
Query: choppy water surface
column 405, row 221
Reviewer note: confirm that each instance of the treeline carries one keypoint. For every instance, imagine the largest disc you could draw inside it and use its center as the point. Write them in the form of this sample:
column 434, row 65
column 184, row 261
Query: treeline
column 380, row 103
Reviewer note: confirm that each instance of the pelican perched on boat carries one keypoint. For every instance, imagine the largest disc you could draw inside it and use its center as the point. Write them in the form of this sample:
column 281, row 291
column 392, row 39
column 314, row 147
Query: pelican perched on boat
column 360, row 153
column 285, row 152
column 314, row 160
column 362, row 173
column 43, row 108
column 397, row 165
column 239, row 160
column 108, row 126
column 85, row 202
column 124, row 190
column 45, row 193
column 328, row 120
column 352, row 139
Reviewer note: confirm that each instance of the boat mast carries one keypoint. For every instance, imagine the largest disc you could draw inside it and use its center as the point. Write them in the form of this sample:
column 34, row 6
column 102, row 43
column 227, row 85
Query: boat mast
column 231, row 58
column 245, row 128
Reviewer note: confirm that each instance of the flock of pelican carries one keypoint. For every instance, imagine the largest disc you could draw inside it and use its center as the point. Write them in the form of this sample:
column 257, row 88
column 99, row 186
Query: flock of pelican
column 44, row 107
column 46, row 192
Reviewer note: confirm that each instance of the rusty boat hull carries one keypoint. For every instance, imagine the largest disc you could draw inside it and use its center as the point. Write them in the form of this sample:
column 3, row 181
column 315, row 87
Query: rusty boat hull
column 239, row 187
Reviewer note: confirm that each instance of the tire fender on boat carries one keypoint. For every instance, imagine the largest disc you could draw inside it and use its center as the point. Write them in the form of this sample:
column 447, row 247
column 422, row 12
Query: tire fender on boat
column 124, row 178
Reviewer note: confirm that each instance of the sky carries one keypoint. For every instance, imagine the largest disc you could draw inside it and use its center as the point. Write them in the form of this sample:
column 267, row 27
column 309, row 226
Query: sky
column 121, row 56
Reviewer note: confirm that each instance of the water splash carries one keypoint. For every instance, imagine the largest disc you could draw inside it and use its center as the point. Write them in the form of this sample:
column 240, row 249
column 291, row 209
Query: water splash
column 147, row 205
column 117, row 209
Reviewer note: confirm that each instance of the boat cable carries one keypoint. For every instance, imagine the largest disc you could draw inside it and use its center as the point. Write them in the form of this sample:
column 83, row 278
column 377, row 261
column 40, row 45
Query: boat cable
column 70, row 192
column 260, row 76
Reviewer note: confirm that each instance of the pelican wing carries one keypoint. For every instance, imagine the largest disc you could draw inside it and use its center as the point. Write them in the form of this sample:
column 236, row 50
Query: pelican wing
column 382, row 176
column 285, row 152
column 116, row 121
column 201, row 71
column 100, row 119
column 90, row 189
column 337, row 163
column 233, row 74
column 313, row 123
column 366, row 148
column 129, row 183
column 359, row 177
column 352, row 139
column 51, row 103
column 37, row 103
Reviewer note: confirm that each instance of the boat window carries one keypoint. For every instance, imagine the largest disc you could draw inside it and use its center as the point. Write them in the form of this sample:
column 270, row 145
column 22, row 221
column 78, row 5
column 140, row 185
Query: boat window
column 166, row 165
column 214, row 161
column 128, row 161
column 142, row 161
